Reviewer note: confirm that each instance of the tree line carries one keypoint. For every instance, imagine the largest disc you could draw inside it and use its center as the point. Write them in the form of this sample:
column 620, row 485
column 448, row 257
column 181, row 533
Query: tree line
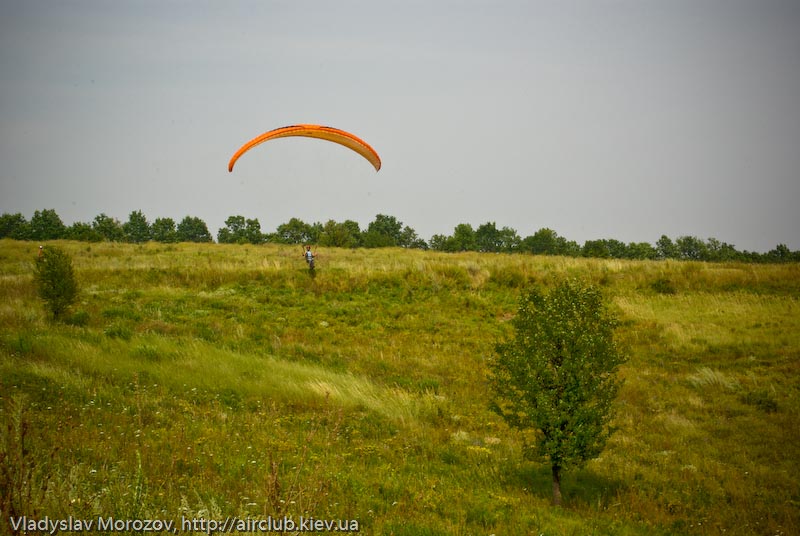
column 383, row 231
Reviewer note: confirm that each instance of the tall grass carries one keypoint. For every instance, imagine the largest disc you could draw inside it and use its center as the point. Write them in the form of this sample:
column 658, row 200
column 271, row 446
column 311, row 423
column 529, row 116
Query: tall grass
column 223, row 380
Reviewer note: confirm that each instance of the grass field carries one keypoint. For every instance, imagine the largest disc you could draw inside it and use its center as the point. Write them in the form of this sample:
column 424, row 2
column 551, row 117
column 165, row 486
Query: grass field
column 222, row 380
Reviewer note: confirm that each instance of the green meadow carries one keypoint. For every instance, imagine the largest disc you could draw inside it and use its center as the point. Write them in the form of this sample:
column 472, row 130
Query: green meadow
column 218, row 380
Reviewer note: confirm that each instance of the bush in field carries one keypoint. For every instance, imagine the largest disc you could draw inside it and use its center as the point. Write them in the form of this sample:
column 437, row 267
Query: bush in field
column 556, row 377
column 55, row 280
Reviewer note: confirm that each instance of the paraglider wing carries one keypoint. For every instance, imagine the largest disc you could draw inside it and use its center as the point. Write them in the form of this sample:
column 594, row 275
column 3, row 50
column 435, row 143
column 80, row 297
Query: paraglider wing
column 313, row 131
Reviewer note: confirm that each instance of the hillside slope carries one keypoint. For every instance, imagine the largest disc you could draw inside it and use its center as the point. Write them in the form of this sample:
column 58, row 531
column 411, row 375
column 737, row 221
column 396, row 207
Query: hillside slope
column 224, row 381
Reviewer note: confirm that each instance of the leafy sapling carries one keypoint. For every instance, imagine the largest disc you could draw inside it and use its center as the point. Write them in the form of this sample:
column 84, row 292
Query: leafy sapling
column 55, row 280
column 557, row 375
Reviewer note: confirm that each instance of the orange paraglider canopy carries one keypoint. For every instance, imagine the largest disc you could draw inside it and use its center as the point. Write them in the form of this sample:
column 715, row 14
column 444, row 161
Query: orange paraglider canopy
column 313, row 131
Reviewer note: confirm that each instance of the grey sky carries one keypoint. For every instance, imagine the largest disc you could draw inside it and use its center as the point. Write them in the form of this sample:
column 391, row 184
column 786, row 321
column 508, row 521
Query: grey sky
column 622, row 119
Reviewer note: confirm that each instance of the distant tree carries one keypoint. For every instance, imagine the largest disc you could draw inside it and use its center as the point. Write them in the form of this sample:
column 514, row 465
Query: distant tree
column 335, row 235
column 782, row 253
column 438, row 242
column 752, row 256
column 543, row 242
column 665, row 248
column 193, row 229
column 597, row 249
column 224, row 236
column 556, row 376
column 234, row 231
column 488, row 238
column 163, row 230
column 316, row 230
column 691, row 248
column 641, row 251
column 136, row 229
column 84, row 232
column 14, row 226
column 572, row 248
column 252, row 231
column 383, row 231
column 340, row 235
column 464, row 238
column 296, row 231
column 374, row 239
column 354, row 230
column 55, row 280
column 617, row 249
column 718, row 251
column 109, row 228
column 547, row 242
column 47, row 225
column 410, row 240
column 509, row 240
column 386, row 225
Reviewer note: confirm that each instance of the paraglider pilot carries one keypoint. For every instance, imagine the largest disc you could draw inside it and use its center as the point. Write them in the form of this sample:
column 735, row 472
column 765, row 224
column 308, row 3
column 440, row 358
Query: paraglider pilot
column 309, row 257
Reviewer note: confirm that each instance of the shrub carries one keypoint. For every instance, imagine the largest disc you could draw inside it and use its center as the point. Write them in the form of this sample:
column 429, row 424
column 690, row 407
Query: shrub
column 55, row 280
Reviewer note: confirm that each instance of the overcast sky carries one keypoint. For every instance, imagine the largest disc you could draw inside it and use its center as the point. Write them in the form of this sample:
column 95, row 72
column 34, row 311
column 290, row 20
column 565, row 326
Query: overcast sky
column 623, row 119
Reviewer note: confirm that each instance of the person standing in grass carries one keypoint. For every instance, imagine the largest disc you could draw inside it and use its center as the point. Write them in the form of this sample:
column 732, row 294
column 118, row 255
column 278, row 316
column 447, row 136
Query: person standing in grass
column 309, row 256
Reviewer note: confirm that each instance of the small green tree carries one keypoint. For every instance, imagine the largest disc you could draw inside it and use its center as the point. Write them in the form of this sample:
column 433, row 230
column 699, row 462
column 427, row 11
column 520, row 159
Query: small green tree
column 557, row 375
column 55, row 280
